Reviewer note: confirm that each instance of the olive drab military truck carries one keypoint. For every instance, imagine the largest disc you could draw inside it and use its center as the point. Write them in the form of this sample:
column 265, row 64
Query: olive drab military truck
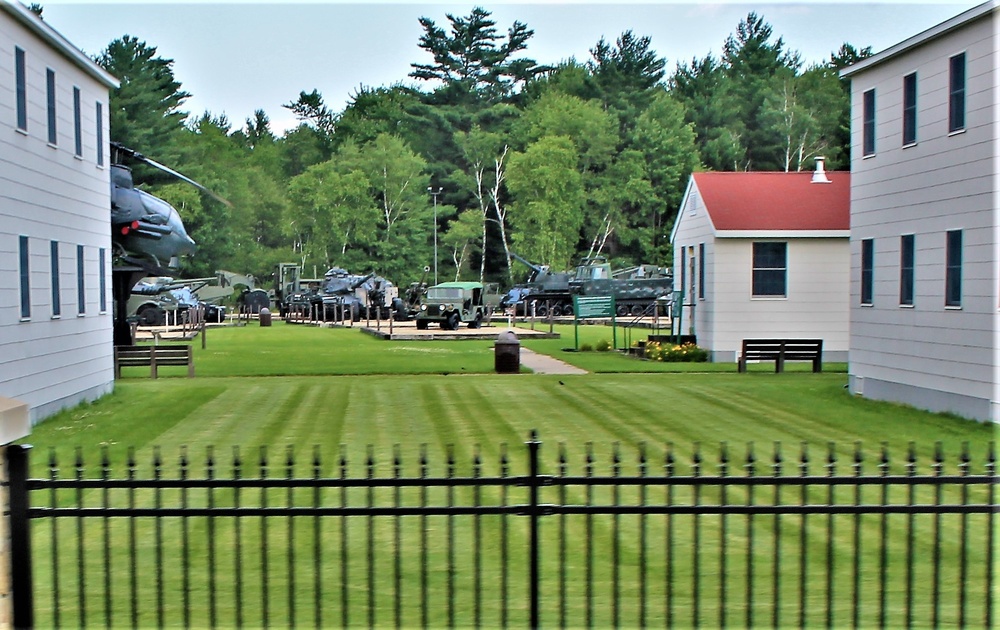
column 450, row 304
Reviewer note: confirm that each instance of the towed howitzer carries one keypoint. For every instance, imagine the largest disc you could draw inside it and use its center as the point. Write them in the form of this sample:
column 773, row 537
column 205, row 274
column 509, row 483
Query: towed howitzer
column 381, row 298
column 412, row 296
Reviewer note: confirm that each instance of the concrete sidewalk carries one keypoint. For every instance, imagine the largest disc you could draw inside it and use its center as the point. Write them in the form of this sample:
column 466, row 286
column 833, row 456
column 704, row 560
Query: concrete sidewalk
column 544, row 364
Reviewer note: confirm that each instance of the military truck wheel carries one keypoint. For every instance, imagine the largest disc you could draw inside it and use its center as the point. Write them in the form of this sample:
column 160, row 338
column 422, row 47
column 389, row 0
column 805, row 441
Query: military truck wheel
column 621, row 310
column 150, row 315
column 567, row 310
column 478, row 322
column 454, row 321
column 421, row 324
column 637, row 310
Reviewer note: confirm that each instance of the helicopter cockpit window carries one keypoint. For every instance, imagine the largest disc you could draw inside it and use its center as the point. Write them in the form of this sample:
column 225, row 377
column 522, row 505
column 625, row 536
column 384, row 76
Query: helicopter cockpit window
column 444, row 293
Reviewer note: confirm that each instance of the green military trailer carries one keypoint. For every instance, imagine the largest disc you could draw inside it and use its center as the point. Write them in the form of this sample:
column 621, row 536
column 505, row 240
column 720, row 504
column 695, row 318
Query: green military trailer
column 452, row 303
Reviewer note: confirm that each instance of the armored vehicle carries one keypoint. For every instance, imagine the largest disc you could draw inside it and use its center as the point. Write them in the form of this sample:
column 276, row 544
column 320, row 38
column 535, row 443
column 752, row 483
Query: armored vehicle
column 451, row 303
column 543, row 287
column 635, row 289
column 152, row 299
column 337, row 295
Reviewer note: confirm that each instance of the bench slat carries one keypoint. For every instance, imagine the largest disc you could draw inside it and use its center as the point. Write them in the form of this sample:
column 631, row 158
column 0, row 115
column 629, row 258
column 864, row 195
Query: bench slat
column 781, row 350
column 154, row 357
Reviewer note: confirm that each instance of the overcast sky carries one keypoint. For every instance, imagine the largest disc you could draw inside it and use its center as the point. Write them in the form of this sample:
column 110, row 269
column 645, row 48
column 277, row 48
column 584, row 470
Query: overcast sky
column 236, row 57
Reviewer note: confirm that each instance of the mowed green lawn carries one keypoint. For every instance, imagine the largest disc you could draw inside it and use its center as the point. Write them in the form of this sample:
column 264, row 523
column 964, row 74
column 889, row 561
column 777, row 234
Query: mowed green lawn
column 299, row 388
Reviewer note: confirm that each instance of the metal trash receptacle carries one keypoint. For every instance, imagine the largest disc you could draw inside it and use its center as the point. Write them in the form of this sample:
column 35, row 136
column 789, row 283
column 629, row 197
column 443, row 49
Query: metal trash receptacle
column 507, row 353
column 265, row 316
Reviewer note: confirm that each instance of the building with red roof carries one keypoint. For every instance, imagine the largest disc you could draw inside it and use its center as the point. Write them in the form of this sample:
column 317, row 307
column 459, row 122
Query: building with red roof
column 764, row 255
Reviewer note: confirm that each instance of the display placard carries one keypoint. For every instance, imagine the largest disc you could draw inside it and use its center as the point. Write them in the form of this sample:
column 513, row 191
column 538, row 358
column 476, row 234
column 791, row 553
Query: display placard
column 596, row 306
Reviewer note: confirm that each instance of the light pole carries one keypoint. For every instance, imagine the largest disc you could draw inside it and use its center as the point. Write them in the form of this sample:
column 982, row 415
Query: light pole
column 434, row 193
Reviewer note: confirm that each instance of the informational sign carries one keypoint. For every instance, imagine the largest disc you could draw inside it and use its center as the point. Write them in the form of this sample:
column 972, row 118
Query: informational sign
column 596, row 306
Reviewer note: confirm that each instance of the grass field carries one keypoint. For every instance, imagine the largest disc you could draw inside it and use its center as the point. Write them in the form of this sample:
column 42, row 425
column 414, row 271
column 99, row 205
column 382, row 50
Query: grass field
column 304, row 388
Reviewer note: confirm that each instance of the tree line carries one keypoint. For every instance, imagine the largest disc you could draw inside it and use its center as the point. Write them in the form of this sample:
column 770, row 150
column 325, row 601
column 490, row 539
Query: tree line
column 552, row 162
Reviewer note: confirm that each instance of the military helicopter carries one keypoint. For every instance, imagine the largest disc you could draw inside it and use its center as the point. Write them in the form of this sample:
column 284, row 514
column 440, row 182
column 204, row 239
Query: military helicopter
column 147, row 233
column 144, row 227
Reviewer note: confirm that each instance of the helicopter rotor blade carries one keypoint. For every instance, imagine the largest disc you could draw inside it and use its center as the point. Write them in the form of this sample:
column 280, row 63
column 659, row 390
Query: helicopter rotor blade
column 132, row 153
column 170, row 171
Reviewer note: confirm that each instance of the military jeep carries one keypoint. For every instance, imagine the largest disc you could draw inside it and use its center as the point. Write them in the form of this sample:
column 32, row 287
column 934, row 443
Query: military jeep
column 451, row 303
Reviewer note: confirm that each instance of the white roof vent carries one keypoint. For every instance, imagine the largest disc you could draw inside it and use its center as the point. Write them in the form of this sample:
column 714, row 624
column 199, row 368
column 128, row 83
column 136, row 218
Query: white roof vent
column 819, row 175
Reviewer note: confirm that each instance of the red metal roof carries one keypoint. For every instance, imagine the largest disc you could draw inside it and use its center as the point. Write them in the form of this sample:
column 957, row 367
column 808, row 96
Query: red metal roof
column 776, row 201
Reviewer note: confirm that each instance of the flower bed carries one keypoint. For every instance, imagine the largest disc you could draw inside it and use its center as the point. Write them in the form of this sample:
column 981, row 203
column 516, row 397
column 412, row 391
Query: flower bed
column 670, row 352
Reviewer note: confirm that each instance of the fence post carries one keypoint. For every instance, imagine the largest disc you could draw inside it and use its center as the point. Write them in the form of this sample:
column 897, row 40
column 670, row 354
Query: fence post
column 20, row 538
column 533, row 577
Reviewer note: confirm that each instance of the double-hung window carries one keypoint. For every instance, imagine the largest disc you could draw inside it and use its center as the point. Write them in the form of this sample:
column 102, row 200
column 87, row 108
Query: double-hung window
column 701, row 271
column 868, row 126
column 953, row 269
column 81, row 295
column 23, row 258
column 77, row 124
column 50, row 98
column 684, row 252
column 21, row 86
column 103, row 276
column 910, row 109
column 956, row 93
column 770, row 269
column 867, row 271
column 906, row 277
column 99, row 114
column 54, row 256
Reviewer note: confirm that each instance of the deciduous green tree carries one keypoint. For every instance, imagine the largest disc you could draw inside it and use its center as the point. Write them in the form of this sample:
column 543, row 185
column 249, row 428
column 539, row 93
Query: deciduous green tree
column 331, row 214
column 548, row 192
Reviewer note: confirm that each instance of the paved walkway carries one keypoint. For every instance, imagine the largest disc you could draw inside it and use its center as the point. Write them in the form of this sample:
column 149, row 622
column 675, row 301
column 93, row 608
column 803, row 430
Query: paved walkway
column 544, row 364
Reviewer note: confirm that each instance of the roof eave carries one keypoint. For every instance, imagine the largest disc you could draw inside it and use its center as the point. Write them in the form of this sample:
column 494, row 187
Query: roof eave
column 51, row 36
column 919, row 39
column 783, row 234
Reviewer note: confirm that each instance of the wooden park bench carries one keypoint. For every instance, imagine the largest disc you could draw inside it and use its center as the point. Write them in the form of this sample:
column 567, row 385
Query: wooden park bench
column 781, row 350
column 153, row 356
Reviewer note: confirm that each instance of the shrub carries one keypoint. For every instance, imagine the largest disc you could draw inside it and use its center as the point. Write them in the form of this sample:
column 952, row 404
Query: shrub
column 586, row 347
column 670, row 352
column 603, row 345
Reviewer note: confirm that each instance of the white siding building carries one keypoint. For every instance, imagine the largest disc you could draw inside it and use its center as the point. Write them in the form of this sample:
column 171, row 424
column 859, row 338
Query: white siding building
column 764, row 255
column 55, row 237
column 924, row 225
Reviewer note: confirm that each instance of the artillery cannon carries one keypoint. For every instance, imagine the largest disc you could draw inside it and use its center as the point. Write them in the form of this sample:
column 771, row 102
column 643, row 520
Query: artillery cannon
column 337, row 295
column 381, row 298
column 411, row 298
column 543, row 287
column 635, row 289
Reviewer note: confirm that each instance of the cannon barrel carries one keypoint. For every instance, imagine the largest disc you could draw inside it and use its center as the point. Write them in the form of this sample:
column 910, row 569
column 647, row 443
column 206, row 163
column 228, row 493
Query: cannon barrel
column 355, row 285
column 531, row 265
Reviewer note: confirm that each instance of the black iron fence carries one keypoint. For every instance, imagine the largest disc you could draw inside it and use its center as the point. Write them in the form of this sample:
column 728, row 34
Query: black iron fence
column 254, row 542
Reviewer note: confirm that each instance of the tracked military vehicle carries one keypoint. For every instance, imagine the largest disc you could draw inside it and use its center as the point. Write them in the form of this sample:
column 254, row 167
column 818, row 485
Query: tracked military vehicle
column 351, row 296
column 543, row 289
column 336, row 296
column 635, row 289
